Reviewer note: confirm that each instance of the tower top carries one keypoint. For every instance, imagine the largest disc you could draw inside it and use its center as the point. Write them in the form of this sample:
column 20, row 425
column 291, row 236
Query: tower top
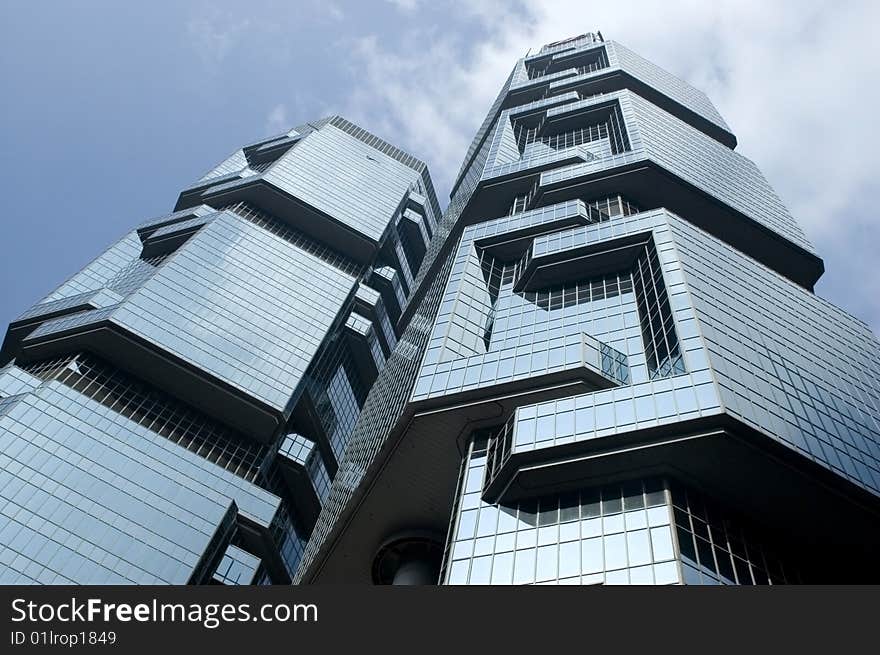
column 573, row 42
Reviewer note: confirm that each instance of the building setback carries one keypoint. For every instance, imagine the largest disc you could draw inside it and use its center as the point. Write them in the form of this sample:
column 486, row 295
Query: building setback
column 176, row 411
column 605, row 364
column 619, row 372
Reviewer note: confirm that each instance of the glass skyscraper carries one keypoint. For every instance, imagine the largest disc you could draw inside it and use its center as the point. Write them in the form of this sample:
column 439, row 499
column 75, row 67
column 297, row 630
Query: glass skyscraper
column 605, row 364
column 176, row 411
column 618, row 372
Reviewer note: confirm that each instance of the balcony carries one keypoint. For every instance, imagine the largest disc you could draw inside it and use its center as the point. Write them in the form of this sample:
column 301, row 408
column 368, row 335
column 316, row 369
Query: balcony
column 611, row 364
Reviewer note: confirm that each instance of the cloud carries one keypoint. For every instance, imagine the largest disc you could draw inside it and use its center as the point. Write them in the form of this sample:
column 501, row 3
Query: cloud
column 334, row 11
column 214, row 34
column 294, row 110
column 431, row 93
column 796, row 80
column 404, row 5
column 277, row 121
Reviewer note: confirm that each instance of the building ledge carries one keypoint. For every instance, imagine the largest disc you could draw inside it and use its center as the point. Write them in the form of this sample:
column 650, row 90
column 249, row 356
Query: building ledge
column 649, row 185
column 95, row 331
column 294, row 212
column 543, row 267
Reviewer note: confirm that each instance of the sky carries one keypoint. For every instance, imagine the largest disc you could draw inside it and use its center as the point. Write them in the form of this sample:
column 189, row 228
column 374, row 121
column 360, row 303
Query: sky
column 110, row 108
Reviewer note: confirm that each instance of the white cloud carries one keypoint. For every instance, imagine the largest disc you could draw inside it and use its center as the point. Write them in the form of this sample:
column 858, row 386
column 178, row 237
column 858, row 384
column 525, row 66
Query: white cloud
column 214, row 34
column 431, row 92
column 277, row 121
column 334, row 11
column 796, row 80
column 404, row 5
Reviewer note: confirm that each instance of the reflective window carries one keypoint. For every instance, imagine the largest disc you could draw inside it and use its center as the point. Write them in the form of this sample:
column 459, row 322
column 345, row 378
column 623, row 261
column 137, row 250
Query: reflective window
column 615, row 534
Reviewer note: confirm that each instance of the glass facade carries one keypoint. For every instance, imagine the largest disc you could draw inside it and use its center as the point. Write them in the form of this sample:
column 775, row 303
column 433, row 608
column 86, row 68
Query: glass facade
column 641, row 532
column 602, row 364
column 616, row 371
column 617, row 534
column 176, row 411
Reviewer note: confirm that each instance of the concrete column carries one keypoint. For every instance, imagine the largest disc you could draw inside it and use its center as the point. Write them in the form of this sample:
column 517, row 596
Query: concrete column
column 411, row 558
column 415, row 570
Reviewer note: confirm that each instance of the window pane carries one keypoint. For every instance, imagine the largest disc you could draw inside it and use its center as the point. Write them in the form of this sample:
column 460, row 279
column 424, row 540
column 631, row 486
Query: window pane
column 661, row 542
column 569, row 559
column 638, row 547
column 615, row 551
column 591, row 556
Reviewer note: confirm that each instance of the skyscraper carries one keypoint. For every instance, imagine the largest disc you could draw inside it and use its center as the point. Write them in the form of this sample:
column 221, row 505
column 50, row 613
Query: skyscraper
column 618, row 372
column 176, row 411
column 605, row 364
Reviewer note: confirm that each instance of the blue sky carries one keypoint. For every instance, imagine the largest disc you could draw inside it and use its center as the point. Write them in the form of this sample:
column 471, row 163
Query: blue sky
column 109, row 108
